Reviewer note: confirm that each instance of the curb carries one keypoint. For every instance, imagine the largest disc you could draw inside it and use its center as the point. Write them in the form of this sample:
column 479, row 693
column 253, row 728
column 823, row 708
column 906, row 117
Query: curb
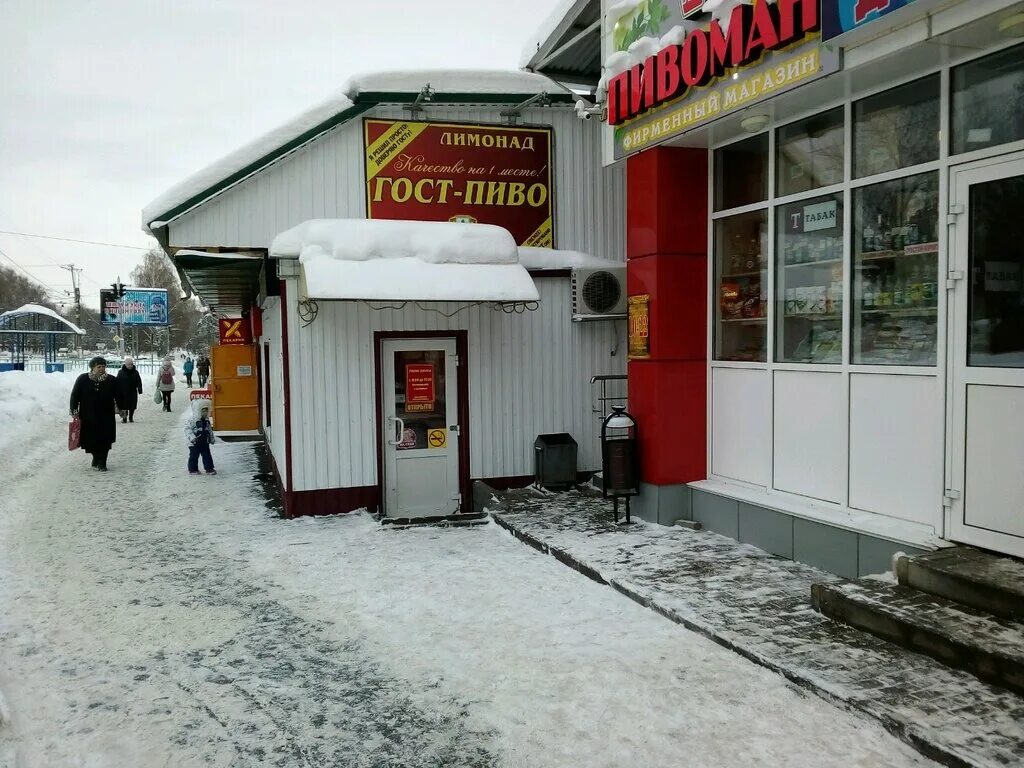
column 896, row 728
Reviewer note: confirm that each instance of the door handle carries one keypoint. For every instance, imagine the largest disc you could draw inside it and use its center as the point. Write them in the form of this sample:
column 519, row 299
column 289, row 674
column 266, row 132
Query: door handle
column 401, row 430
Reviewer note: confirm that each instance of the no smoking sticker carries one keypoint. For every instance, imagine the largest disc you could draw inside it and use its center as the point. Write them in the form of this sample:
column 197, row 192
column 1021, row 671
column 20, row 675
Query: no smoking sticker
column 437, row 438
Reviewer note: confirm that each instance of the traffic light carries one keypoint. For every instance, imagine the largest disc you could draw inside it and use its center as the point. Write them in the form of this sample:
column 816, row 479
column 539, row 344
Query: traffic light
column 119, row 290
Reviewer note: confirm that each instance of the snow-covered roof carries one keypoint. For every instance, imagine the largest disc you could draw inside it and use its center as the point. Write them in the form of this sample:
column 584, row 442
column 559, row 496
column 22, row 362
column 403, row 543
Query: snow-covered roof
column 374, row 260
column 547, row 28
column 553, row 258
column 36, row 309
column 358, row 94
column 492, row 81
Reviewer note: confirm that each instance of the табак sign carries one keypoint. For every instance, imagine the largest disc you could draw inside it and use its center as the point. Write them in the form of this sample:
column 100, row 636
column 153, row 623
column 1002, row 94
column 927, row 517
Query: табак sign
column 487, row 174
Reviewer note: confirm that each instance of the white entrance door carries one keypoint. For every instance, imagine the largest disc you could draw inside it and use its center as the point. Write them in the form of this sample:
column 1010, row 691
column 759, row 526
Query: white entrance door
column 419, row 380
column 987, row 355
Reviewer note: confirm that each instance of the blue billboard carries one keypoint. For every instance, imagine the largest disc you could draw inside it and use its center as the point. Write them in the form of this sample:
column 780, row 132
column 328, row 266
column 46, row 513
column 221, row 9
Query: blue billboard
column 141, row 306
column 841, row 16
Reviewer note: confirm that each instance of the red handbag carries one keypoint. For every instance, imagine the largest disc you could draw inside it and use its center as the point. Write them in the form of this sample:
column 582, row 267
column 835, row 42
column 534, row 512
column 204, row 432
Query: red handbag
column 74, row 433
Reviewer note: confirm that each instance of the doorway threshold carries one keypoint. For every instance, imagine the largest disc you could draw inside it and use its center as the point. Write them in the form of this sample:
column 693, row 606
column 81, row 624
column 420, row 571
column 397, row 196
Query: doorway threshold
column 439, row 521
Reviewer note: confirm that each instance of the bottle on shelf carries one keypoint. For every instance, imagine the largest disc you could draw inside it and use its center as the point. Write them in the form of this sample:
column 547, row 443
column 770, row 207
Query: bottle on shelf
column 899, row 288
column 870, row 290
column 929, row 288
column 867, row 241
column 916, row 285
column 884, row 299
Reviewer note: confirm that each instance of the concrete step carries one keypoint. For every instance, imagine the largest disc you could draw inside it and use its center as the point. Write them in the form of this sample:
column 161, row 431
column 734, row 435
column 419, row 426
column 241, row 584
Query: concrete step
column 962, row 637
column 983, row 580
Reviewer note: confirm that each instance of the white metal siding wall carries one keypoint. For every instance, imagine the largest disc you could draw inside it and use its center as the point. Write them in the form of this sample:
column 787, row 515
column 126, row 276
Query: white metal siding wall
column 272, row 334
column 528, row 374
column 324, row 179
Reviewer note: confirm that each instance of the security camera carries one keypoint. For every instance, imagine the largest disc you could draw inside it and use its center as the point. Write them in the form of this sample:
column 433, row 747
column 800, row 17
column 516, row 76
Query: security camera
column 586, row 111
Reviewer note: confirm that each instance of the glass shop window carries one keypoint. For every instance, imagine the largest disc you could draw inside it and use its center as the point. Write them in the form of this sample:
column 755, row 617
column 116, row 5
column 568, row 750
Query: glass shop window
column 741, row 277
column 896, row 129
column 741, row 173
column 809, row 281
column 895, row 271
column 988, row 101
column 809, row 153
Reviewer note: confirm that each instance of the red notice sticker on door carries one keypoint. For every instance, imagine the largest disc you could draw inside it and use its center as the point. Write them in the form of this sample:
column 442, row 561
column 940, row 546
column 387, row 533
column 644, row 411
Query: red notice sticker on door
column 419, row 387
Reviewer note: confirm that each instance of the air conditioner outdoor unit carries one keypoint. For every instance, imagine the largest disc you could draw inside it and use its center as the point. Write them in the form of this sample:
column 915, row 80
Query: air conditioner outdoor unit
column 598, row 294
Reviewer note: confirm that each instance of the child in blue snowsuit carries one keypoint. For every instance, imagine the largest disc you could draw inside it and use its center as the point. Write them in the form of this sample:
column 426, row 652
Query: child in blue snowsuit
column 199, row 434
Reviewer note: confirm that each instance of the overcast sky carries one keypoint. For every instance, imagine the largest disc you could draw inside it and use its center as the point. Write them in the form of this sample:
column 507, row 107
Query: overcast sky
column 104, row 104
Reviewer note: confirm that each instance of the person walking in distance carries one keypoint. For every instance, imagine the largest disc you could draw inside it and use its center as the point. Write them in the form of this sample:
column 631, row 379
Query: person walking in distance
column 129, row 386
column 187, row 369
column 165, row 382
column 199, row 435
column 203, row 369
column 95, row 400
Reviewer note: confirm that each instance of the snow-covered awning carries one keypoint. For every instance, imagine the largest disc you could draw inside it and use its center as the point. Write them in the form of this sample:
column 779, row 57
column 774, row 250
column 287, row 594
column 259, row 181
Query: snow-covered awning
column 373, row 260
column 228, row 283
column 35, row 313
column 547, row 259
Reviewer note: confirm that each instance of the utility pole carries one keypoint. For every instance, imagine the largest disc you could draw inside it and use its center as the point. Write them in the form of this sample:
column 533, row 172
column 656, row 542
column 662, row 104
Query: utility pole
column 75, row 272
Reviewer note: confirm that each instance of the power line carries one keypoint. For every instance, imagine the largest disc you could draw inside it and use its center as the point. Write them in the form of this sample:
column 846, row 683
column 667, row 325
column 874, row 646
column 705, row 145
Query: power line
column 30, row 275
column 73, row 240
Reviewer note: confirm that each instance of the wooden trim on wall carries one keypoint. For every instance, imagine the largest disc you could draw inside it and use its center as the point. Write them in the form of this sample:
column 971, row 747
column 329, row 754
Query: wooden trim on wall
column 287, row 401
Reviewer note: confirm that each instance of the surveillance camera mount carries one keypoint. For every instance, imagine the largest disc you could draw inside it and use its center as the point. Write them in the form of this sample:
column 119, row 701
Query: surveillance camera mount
column 512, row 114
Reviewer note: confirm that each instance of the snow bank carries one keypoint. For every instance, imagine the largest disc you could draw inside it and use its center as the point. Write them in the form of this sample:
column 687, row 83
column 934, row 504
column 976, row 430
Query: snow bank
column 40, row 310
column 27, row 405
column 372, row 260
column 405, row 81
column 552, row 258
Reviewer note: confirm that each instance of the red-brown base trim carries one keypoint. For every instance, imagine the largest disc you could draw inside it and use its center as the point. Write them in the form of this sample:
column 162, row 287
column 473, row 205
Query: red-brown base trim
column 332, row 501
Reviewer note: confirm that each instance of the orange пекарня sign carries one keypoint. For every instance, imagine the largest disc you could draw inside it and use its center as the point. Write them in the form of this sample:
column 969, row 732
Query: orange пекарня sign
column 486, row 174
column 234, row 330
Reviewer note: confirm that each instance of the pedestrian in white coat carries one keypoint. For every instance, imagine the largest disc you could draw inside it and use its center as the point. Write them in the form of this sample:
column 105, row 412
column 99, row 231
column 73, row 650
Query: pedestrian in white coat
column 165, row 382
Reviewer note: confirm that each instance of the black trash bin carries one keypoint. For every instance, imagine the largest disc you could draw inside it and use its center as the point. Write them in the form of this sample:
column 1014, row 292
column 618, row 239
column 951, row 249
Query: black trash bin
column 554, row 460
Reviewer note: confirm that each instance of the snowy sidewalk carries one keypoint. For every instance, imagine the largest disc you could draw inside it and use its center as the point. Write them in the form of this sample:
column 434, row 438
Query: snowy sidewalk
column 759, row 606
column 148, row 618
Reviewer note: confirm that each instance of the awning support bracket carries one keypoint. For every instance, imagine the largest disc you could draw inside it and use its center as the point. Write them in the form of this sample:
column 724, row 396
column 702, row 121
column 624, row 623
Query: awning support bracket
column 513, row 113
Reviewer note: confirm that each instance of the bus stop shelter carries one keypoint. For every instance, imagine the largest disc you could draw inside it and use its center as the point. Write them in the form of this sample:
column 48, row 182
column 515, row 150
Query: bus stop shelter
column 32, row 327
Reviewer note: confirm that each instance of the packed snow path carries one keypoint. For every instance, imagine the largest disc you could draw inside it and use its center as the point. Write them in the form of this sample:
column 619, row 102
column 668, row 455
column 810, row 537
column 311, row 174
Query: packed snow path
column 149, row 618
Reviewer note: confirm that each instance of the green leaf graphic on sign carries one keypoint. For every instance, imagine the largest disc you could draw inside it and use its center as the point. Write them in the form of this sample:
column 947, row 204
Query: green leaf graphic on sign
column 656, row 14
column 636, row 31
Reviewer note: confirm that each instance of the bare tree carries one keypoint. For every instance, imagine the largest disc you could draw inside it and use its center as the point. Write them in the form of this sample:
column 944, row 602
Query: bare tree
column 156, row 271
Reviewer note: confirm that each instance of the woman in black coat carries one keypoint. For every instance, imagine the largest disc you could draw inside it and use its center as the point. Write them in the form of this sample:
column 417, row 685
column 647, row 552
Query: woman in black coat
column 95, row 400
column 129, row 386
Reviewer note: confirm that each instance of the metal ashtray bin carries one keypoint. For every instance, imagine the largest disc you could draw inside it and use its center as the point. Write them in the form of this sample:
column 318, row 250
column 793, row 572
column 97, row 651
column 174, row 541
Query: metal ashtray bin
column 554, row 460
column 620, row 470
